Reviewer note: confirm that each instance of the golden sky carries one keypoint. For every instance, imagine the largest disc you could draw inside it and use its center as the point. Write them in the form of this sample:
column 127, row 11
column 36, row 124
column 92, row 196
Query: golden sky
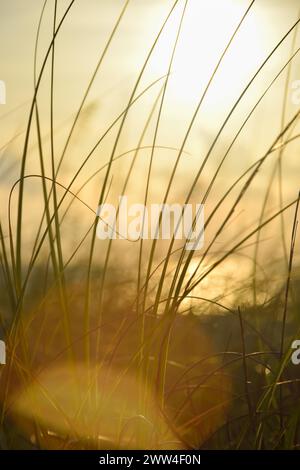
column 206, row 29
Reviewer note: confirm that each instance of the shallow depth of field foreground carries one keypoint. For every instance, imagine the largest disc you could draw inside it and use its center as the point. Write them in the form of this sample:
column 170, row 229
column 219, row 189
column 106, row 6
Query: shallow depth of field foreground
column 139, row 342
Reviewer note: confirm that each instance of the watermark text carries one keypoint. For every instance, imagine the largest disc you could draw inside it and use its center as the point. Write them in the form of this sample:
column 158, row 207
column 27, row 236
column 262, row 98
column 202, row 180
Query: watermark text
column 160, row 221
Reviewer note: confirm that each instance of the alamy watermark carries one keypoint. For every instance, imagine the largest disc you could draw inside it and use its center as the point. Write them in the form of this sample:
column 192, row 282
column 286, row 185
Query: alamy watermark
column 2, row 352
column 2, row 92
column 159, row 221
column 296, row 354
column 296, row 92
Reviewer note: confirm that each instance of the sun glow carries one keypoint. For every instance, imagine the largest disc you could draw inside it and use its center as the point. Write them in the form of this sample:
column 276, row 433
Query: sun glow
column 200, row 46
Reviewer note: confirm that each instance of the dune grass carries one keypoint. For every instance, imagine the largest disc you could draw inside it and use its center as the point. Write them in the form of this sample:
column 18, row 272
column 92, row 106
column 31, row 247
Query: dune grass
column 217, row 381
